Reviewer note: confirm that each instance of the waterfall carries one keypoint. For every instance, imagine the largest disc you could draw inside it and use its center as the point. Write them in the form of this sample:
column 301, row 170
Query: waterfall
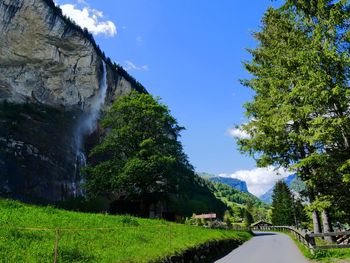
column 90, row 122
column 77, row 179
column 87, row 126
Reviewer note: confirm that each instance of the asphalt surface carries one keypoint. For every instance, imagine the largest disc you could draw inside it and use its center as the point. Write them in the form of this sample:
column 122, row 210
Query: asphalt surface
column 266, row 247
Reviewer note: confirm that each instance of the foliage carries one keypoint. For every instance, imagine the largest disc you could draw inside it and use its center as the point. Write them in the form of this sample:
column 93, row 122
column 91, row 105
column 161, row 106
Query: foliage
column 196, row 195
column 282, row 205
column 299, row 116
column 238, row 201
column 126, row 239
column 140, row 154
column 332, row 255
column 248, row 218
column 300, row 214
column 233, row 195
column 227, row 218
column 327, row 256
column 208, row 223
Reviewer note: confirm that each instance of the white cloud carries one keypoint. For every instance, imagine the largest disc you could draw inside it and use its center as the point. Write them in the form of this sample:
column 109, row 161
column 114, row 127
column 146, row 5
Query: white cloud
column 139, row 39
column 260, row 180
column 238, row 133
column 131, row 66
column 91, row 19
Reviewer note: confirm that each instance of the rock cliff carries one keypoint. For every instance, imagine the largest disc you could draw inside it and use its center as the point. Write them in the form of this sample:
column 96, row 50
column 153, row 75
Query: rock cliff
column 54, row 81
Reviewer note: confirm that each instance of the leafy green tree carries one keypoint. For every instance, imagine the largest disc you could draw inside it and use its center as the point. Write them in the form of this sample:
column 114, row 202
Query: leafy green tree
column 140, row 153
column 282, row 205
column 300, row 74
column 248, row 218
column 228, row 218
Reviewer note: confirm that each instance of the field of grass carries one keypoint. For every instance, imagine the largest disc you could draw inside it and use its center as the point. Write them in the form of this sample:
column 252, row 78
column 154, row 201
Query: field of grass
column 94, row 237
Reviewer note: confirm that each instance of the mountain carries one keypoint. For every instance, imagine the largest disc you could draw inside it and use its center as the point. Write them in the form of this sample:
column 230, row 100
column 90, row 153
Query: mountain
column 231, row 190
column 293, row 182
column 54, row 82
column 233, row 182
column 267, row 197
column 229, row 194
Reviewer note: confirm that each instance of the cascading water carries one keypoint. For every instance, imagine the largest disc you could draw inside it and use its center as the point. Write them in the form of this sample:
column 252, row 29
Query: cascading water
column 87, row 126
column 78, row 180
column 89, row 123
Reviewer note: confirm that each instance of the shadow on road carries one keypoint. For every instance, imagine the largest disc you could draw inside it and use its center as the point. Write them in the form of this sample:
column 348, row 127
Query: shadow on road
column 257, row 234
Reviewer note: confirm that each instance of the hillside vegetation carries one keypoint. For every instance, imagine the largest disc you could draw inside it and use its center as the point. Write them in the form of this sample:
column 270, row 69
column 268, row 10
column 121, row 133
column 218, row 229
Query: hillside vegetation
column 231, row 195
column 94, row 237
column 242, row 207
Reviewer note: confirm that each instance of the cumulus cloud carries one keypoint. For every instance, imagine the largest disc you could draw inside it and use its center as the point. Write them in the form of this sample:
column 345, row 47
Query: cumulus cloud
column 131, row 66
column 91, row 19
column 259, row 180
column 238, row 133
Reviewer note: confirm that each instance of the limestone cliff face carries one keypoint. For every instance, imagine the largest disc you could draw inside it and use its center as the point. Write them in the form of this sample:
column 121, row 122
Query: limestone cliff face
column 51, row 76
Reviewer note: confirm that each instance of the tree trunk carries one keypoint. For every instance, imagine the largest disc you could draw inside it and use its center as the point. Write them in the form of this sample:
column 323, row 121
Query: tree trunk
column 315, row 216
column 316, row 222
column 327, row 226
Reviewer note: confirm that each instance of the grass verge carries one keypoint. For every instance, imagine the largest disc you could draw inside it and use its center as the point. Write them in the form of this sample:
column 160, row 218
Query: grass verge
column 87, row 237
column 328, row 256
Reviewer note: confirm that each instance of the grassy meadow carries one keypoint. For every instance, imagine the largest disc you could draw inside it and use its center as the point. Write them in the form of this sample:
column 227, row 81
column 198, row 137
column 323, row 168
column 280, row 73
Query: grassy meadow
column 29, row 234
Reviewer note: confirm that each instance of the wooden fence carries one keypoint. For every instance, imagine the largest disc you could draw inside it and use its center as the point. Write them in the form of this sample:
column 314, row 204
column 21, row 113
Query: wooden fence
column 309, row 239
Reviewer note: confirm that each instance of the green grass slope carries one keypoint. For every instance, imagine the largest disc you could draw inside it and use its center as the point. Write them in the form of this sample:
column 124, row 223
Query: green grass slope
column 28, row 234
column 231, row 195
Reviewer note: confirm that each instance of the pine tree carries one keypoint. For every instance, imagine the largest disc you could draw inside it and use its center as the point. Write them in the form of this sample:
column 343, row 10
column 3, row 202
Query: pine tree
column 282, row 205
column 248, row 218
column 298, row 118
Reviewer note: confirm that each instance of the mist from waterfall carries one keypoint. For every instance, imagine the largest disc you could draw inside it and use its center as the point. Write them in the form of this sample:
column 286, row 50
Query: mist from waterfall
column 89, row 123
column 87, row 126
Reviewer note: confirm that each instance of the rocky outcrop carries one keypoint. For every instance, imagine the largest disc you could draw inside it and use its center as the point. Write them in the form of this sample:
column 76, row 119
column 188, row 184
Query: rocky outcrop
column 52, row 79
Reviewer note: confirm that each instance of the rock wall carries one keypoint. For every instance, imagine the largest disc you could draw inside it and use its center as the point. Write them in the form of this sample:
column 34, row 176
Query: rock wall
column 50, row 77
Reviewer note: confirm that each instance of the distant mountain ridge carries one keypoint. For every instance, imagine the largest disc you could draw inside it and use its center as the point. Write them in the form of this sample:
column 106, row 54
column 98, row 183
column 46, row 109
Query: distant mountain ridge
column 293, row 182
column 233, row 182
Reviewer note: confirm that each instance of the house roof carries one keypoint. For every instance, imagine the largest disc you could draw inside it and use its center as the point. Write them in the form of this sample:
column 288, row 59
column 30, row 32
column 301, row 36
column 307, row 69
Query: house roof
column 261, row 222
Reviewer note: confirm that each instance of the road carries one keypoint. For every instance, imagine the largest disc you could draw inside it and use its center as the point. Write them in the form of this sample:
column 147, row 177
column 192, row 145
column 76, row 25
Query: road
column 266, row 247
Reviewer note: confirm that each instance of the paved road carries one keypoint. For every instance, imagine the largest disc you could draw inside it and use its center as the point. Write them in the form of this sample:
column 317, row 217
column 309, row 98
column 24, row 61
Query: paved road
column 266, row 247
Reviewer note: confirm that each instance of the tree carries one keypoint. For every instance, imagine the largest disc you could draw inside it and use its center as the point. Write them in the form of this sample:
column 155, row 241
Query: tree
column 327, row 24
column 140, row 153
column 300, row 74
column 282, row 205
column 248, row 217
column 228, row 218
column 299, row 213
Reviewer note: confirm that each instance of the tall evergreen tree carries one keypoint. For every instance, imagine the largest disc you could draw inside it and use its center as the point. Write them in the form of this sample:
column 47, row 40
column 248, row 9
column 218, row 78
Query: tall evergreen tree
column 248, row 218
column 282, row 205
column 298, row 117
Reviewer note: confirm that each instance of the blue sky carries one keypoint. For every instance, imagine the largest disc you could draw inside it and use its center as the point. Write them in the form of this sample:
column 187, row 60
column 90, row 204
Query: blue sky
column 190, row 54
